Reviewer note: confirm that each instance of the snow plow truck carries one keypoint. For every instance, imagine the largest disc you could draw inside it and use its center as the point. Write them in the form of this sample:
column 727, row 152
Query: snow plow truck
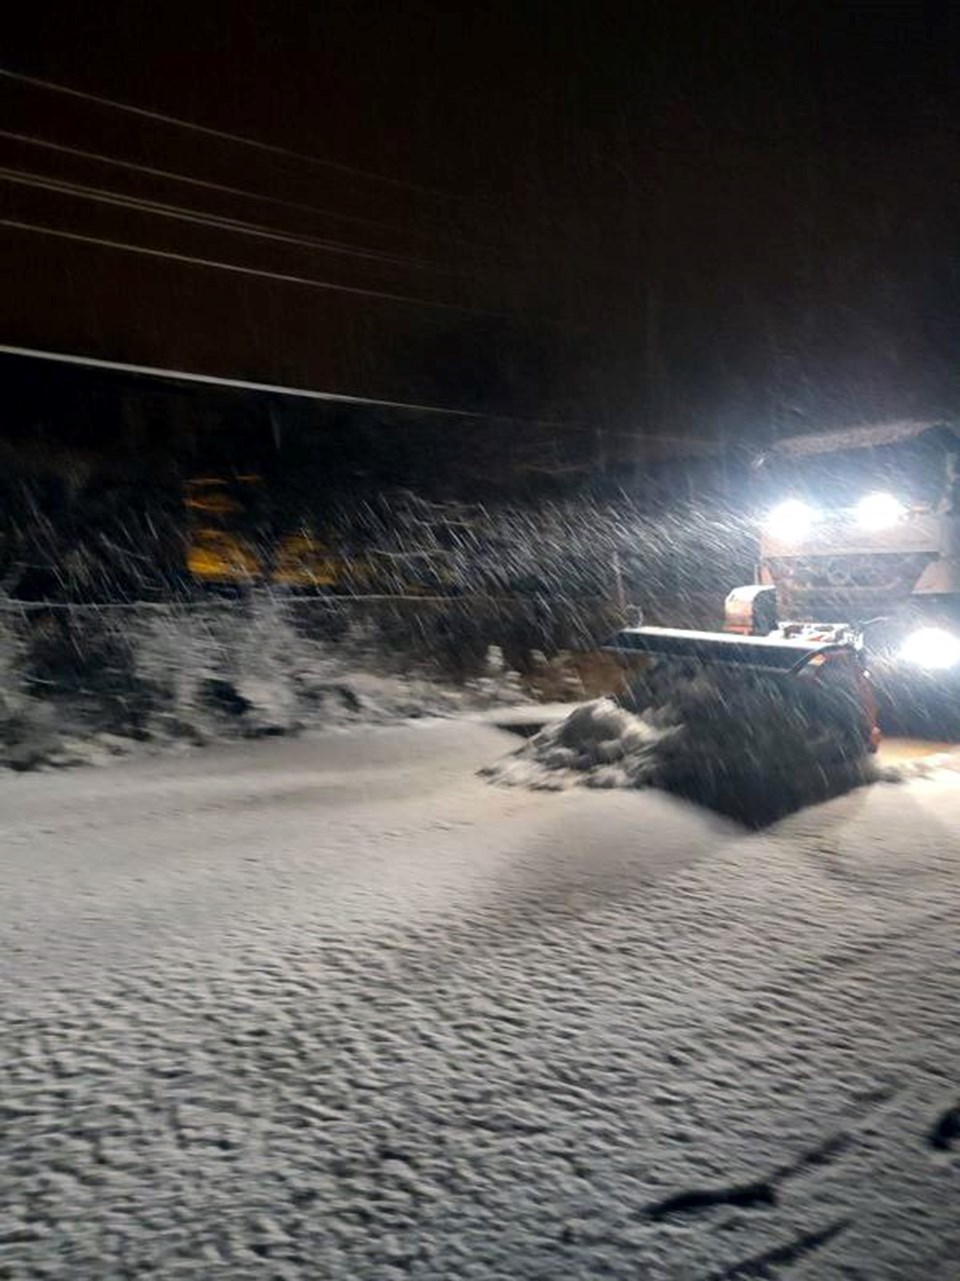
column 856, row 598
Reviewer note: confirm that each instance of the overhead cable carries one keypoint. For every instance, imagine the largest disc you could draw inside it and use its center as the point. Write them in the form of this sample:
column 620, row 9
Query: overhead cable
column 226, row 189
column 239, row 139
column 81, row 191
column 286, row 278
column 277, row 389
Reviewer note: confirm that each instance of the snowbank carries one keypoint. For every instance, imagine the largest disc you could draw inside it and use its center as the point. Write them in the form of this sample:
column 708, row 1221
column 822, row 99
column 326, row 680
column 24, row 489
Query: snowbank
column 81, row 688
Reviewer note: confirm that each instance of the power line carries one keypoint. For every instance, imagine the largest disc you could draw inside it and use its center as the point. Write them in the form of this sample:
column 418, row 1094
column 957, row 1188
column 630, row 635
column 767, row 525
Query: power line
column 258, row 272
column 226, row 189
column 225, row 136
column 81, row 191
column 301, row 393
column 328, row 397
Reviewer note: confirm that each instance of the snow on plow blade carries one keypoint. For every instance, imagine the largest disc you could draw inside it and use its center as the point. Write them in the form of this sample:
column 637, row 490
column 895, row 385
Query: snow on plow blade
column 753, row 653
column 822, row 683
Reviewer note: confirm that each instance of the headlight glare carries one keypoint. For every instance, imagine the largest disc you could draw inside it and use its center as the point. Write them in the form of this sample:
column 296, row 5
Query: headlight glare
column 879, row 511
column 932, row 648
column 790, row 521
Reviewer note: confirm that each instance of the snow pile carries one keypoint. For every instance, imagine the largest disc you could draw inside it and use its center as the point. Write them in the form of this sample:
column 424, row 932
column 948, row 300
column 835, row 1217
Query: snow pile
column 269, row 677
column 80, row 688
column 28, row 733
column 599, row 744
column 748, row 746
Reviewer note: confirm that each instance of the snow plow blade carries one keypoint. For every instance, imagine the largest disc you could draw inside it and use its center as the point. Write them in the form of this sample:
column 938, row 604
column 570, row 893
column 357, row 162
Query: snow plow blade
column 754, row 653
column 825, row 679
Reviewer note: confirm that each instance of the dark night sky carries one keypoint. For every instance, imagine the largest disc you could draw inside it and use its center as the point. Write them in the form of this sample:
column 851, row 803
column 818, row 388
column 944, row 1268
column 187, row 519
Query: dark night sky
column 727, row 218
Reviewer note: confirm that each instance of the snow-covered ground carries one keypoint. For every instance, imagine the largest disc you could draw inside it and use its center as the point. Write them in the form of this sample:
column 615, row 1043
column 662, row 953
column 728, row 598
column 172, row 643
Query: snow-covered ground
column 336, row 1007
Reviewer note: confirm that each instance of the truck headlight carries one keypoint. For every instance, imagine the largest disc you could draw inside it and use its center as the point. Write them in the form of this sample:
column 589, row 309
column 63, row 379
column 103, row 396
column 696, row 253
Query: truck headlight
column 932, row 648
column 879, row 511
column 790, row 521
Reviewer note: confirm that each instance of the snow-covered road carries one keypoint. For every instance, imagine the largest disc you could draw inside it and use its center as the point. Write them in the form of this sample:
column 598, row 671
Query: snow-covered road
column 338, row 1008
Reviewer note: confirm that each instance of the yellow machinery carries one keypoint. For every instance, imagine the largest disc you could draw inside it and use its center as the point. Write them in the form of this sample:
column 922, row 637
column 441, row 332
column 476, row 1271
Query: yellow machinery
column 216, row 552
column 224, row 548
column 221, row 552
column 302, row 560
